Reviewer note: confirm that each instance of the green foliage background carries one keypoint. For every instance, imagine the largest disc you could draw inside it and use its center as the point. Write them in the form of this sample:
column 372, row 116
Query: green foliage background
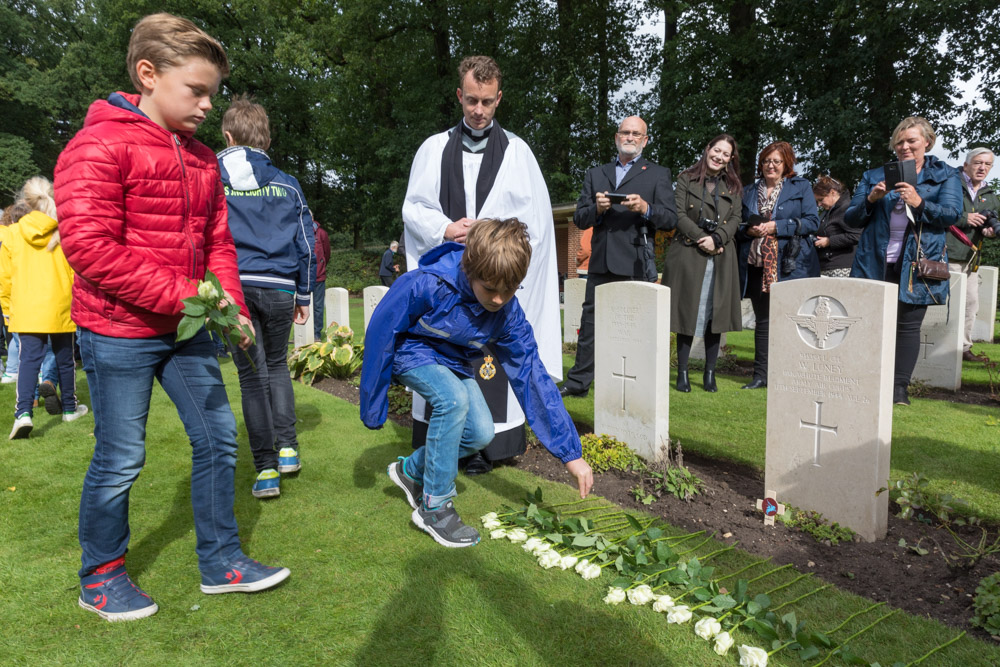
column 354, row 86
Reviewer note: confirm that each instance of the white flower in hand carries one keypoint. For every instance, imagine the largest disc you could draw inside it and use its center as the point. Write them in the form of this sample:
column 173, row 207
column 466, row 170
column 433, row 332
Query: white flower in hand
column 548, row 559
column 663, row 603
column 498, row 533
column 679, row 614
column 615, row 595
column 723, row 642
column 640, row 595
column 751, row 656
column 489, row 516
column 707, row 628
column 206, row 290
column 517, row 535
column 566, row 562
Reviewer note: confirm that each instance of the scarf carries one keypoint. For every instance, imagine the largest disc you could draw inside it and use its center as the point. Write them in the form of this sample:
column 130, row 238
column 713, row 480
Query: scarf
column 767, row 247
column 452, row 196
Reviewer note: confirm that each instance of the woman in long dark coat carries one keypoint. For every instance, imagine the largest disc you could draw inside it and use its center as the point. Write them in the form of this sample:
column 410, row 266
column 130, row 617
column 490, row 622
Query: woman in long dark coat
column 700, row 267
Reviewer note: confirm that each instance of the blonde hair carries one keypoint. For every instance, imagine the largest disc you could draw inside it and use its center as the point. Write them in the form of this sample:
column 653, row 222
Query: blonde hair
column 497, row 252
column 167, row 41
column 914, row 121
column 247, row 123
column 38, row 194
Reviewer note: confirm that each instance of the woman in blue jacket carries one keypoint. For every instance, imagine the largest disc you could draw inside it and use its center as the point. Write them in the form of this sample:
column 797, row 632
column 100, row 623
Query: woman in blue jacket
column 888, row 247
column 779, row 215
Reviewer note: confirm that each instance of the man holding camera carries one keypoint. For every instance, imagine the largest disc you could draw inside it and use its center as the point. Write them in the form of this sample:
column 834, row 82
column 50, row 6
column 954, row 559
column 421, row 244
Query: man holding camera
column 965, row 239
column 625, row 202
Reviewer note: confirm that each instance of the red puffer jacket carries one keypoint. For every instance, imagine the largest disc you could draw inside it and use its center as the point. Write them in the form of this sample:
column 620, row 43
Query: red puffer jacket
column 142, row 215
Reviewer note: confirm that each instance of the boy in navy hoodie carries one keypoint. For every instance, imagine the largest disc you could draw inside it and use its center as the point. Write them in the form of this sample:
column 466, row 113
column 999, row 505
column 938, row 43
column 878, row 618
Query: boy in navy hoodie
column 273, row 231
column 428, row 333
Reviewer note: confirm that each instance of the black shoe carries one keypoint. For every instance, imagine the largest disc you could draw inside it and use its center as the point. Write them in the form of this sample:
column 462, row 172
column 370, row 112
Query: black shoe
column 565, row 391
column 478, row 465
column 756, row 383
column 710, row 382
column 899, row 396
column 47, row 390
column 683, row 384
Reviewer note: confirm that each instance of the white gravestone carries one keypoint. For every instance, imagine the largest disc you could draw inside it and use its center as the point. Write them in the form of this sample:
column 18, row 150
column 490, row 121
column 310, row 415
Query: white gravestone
column 337, row 309
column 302, row 334
column 939, row 363
column 698, row 347
column 573, row 293
column 372, row 295
column 985, row 322
column 749, row 319
column 831, row 352
column 632, row 365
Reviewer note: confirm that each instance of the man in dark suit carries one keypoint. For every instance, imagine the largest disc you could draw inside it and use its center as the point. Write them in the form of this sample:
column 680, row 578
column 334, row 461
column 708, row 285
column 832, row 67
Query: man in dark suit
column 622, row 245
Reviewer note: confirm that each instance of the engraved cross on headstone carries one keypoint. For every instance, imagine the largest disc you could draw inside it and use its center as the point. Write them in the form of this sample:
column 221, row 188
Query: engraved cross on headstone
column 623, row 377
column 818, row 428
column 926, row 345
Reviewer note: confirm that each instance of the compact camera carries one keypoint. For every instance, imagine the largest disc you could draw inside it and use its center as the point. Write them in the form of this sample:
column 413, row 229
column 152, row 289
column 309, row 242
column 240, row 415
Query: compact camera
column 991, row 222
column 709, row 226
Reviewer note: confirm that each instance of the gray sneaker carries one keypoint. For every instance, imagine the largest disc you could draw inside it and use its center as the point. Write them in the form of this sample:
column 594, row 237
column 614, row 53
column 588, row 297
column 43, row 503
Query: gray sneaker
column 445, row 526
column 414, row 490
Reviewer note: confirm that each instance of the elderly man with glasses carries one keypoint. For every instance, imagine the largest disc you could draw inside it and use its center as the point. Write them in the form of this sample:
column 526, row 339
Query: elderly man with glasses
column 625, row 201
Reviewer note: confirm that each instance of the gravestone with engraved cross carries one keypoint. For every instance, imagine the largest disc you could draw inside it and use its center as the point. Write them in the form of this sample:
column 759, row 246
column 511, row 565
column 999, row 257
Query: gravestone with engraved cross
column 939, row 363
column 831, row 350
column 574, row 290
column 632, row 365
column 371, row 296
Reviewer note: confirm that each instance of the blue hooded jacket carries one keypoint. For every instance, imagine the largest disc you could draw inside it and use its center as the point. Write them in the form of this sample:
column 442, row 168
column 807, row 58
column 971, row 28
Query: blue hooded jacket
column 941, row 190
column 270, row 223
column 432, row 316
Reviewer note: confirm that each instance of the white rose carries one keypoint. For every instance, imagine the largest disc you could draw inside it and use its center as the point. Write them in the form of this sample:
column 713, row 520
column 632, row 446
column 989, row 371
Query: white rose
column 707, row 628
column 592, row 571
column 206, row 290
column 493, row 524
column 640, row 595
column 679, row 614
column 489, row 516
column 582, row 565
column 566, row 562
column 663, row 603
column 615, row 595
column 532, row 544
column 549, row 559
column 751, row 656
column 723, row 641
column 498, row 533
column 517, row 535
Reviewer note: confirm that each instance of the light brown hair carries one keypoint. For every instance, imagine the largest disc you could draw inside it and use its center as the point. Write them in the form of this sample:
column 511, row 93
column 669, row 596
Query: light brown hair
column 825, row 185
column 484, row 69
column 914, row 121
column 786, row 154
column 167, row 41
column 498, row 253
column 14, row 212
column 247, row 122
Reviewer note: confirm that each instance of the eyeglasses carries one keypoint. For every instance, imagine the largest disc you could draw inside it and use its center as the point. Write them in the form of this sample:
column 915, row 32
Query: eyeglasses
column 637, row 135
column 773, row 162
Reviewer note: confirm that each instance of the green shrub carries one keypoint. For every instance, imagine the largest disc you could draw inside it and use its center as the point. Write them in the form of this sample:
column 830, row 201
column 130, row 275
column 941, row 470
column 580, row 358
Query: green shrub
column 400, row 400
column 814, row 524
column 355, row 270
column 335, row 356
column 987, row 604
column 605, row 453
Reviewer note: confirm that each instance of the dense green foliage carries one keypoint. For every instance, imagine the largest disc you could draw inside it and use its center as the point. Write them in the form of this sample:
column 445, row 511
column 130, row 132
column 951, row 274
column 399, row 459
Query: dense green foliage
column 604, row 453
column 354, row 86
column 987, row 604
column 355, row 270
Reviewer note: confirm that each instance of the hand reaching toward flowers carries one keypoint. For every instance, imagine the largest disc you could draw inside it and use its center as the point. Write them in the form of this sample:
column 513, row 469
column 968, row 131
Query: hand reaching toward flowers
column 584, row 475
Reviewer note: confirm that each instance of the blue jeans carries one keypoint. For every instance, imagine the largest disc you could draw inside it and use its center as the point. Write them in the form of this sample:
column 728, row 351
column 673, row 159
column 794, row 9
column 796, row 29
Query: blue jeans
column 34, row 355
column 268, row 400
column 13, row 351
column 319, row 310
column 120, row 372
column 461, row 424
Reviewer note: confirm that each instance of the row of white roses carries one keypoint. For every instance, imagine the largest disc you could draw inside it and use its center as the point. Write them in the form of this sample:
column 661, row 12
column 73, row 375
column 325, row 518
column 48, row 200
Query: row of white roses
column 707, row 628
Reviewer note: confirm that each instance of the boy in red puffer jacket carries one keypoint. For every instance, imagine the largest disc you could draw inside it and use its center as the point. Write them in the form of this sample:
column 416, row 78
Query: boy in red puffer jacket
column 142, row 216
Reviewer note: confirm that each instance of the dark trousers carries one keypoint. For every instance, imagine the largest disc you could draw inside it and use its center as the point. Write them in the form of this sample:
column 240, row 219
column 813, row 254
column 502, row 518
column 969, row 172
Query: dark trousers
column 319, row 310
column 761, row 302
column 909, row 317
column 267, row 398
column 32, row 353
column 712, row 343
column 387, row 280
column 581, row 376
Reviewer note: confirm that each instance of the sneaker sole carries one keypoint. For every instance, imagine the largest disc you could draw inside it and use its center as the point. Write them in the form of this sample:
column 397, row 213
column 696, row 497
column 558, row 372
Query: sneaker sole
column 52, row 403
column 267, row 493
column 394, row 476
column 437, row 538
column 22, row 432
column 122, row 615
column 251, row 587
column 292, row 468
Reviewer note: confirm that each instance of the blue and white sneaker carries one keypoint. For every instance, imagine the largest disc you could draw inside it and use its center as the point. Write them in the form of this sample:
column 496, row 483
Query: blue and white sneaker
column 109, row 592
column 288, row 460
column 244, row 575
column 413, row 489
column 267, row 484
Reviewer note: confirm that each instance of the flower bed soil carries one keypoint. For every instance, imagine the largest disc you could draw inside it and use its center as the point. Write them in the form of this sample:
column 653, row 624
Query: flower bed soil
column 881, row 571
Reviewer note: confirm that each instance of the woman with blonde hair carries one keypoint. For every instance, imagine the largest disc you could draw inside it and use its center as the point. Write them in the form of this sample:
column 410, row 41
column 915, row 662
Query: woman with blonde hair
column 35, row 293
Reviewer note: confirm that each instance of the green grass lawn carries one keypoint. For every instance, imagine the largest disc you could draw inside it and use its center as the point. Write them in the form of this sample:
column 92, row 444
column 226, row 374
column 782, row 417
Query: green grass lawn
column 367, row 587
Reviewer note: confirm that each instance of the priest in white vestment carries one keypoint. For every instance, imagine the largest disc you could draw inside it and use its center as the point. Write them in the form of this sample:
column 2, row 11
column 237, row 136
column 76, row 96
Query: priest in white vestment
column 474, row 171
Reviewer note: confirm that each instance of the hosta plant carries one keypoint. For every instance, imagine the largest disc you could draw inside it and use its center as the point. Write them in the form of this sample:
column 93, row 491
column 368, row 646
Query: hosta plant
column 337, row 355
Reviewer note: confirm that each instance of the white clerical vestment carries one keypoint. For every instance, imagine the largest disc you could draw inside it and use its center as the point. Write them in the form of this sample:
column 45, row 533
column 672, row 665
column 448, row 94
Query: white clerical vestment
column 518, row 192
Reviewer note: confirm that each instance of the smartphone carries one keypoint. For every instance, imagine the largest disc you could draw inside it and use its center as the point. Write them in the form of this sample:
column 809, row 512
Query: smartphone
column 901, row 171
column 616, row 197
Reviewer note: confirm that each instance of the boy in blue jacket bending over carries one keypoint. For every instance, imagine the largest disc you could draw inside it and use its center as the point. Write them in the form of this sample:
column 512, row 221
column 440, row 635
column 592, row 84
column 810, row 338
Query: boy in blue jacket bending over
column 428, row 333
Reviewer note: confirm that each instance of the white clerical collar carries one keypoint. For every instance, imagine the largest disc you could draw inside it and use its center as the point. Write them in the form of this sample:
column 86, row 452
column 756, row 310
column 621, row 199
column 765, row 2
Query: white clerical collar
column 477, row 133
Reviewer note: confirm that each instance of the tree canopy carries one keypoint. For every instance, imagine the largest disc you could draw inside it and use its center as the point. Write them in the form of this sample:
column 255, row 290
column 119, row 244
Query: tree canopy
column 354, row 86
